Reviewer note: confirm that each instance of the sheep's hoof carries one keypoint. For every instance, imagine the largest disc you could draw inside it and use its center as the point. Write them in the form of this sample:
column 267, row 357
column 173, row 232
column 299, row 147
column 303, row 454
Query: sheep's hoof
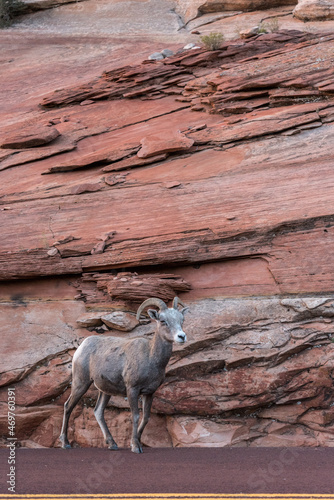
column 64, row 442
column 66, row 446
column 113, row 447
column 136, row 449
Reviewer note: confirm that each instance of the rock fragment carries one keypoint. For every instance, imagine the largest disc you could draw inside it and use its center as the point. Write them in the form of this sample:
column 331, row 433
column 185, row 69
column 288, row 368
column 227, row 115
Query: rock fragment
column 90, row 319
column 86, row 188
column 98, row 248
column 30, row 138
column 52, row 252
column 167, row 53
column 172, row 184
column 156, row 56
column 155, row 145
column 120, row 320
column 87, row 102
column 190, row 46
column 159, row 56
column 314, row 10
column 249, row 32
column 133, row 162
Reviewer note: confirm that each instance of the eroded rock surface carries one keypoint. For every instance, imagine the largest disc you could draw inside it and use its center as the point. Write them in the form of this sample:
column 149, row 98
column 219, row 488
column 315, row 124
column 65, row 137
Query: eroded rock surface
column 206, row 175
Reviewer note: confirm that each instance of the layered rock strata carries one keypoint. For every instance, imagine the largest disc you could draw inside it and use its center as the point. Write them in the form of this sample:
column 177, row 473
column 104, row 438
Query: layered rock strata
column 206, row 175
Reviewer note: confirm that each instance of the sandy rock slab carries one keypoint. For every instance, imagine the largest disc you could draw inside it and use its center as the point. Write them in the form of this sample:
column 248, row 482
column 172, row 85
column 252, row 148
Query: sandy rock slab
column 190, row 9
column 314, row 10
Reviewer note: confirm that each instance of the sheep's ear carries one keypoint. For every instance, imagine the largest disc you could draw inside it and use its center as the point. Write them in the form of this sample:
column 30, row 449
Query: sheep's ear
column 184, row 310
column 153, row 314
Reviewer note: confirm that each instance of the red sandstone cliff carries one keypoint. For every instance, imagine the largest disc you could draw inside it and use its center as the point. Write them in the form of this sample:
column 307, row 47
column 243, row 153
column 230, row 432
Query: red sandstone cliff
column 208, row 175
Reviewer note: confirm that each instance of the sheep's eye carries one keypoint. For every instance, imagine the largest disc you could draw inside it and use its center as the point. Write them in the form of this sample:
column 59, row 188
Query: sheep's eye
column 163, row 322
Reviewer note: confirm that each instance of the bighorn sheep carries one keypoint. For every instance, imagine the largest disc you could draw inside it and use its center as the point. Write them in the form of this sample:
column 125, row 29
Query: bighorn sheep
column 131, row 367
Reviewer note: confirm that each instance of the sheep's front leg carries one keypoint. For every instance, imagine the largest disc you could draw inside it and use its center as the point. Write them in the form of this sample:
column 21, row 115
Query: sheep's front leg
column 133, row 396
column 147, row 403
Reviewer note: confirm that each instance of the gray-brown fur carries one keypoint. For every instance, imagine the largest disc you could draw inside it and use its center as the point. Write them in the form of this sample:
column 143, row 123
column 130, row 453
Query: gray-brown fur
column 132, row 367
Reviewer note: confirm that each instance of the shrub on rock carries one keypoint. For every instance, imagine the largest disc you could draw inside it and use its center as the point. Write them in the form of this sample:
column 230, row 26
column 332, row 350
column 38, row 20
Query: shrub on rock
column 213, row 41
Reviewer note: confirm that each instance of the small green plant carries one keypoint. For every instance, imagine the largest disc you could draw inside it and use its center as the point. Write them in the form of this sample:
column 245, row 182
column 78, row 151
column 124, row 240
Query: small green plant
column 213, row 41
column 273, row 25
column 8, row 10
column 262, row 29
column 270, row 26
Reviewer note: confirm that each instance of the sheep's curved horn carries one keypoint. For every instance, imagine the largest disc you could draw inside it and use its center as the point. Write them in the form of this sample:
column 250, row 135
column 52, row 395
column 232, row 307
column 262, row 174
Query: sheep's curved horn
column 176, row 302
column 151, row 302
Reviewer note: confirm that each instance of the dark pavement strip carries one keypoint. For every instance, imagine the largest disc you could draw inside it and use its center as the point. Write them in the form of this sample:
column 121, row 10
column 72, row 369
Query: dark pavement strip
column 153, row 496
column 233, row 472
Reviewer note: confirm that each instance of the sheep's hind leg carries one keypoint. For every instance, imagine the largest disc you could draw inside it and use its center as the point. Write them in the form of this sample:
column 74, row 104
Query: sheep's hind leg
column 77, row 391
column 101, row 403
